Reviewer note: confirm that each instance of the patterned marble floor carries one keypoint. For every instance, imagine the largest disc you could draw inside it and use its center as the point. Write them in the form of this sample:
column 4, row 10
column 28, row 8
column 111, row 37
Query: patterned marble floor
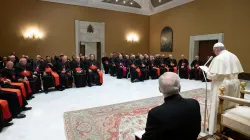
column 45, row 120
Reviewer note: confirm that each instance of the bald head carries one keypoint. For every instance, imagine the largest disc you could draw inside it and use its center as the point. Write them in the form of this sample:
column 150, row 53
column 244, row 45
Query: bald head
column 23, row 61
column 64, row 58
column 77, row 59
column 12, row 58
column 169, row 84
column 9, row 65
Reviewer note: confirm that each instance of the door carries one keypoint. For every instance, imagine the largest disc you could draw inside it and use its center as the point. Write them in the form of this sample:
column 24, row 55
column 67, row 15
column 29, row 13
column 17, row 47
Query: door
column 99, row 53
column 206, row 49
column 82, row 48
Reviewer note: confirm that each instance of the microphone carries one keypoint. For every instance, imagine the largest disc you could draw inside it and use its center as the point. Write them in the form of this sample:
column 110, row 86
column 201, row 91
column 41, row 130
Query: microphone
column 211, row 57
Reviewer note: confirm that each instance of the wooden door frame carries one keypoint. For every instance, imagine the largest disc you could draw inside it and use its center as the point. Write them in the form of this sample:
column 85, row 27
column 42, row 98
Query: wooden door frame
column 194, row 43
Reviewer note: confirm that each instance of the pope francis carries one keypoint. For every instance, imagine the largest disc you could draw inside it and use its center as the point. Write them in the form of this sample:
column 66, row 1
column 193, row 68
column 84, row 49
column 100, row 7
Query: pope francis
column 223, row 71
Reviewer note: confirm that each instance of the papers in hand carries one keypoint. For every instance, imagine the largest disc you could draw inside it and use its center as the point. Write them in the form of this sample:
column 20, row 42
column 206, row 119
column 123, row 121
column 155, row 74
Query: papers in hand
column 139, row 134
column 204, row 68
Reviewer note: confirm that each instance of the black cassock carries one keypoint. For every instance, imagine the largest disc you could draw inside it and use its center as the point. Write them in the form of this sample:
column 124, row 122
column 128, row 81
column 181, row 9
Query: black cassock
column 105, row 63
column 141, row 64
column 135, row 72
column 183, row 68
column 154, row 72
column 79, row 73
column 94, row 76
column 49, row 76
column 121, row 69
column 13, row 102
column 66, row 78
column 11, row 75
column 172, row 63
column 27, row 71
column 195, row 72
column 112, row 66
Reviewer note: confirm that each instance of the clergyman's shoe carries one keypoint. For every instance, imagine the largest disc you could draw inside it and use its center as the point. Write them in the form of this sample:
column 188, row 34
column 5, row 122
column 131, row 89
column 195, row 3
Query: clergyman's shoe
column 7, row 124
column 20, row 116
column 27, row 108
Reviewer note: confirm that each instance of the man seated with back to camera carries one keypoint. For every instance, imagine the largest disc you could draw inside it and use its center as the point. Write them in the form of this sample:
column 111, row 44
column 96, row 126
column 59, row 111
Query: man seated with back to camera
column 177, row 118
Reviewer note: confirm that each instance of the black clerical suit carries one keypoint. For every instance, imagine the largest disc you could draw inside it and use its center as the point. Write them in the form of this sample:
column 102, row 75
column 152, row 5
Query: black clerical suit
column 79, row 73
column 105, row 63
column 183, row 68
column 176, row 119
column 27, row 71
column 64, row 72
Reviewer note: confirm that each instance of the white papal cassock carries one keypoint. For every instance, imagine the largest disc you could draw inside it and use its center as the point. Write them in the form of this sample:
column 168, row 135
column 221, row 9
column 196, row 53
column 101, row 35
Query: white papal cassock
column 223, row 71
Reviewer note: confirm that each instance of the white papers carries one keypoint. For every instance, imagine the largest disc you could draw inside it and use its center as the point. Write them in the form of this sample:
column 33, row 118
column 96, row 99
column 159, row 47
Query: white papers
column 204, row 68
column 139, row 134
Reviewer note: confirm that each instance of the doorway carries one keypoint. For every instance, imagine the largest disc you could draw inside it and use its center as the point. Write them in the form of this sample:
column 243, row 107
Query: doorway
column 87, row 48
column 206, row 49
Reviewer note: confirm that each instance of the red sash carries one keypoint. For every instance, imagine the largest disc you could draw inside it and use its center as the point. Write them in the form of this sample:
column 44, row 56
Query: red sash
column 18, row 92
column 133, row 66
column 21, row 85
column 25, row 73
column 54, row 74
column 78, row 69
column 93, row 67
column 101, row 76
column 175, row 69
column 158, row 71
column 5, row 109
column 138, row 71
column 28, row 85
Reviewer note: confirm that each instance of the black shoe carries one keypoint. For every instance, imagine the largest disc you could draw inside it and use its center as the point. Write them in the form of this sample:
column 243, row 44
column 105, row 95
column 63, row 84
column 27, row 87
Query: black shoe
column 46, row 91
column 8, row 124
column 32, row 97
column 20, row 116
column 27, row 108
column 60, row 89
column 90, row 85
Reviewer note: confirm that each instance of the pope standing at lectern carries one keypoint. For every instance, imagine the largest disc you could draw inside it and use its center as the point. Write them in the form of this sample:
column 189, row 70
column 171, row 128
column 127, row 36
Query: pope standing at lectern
column 223, row 71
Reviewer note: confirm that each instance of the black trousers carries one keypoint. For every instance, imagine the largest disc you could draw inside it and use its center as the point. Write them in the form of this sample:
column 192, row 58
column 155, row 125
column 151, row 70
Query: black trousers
column 35, row 84
column 195, row 74
column 112, row 70
column 183, row 73
column 93, row 77
column 66, row 80
column 17, row 87
column 106, row 68
column 12, row 100
column 80, row 79
column 48, row 82
column 153, row 73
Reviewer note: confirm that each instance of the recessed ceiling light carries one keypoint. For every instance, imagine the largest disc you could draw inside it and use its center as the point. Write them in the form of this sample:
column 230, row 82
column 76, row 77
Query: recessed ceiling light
column 159, row 0
column 124, row 1
column 131, row 3
column 116, row 0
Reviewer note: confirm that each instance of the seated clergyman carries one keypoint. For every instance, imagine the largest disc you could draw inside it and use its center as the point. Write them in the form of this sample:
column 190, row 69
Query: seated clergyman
column 177, row 118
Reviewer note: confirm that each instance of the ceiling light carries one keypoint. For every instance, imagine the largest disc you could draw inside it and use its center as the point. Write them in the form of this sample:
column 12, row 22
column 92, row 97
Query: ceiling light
column 159, row 0
column 131, row 3
column 116, row 0
column 124, row 2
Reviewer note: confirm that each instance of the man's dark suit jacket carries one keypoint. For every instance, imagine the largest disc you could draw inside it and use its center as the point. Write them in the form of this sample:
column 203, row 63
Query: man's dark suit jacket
column 176, row 119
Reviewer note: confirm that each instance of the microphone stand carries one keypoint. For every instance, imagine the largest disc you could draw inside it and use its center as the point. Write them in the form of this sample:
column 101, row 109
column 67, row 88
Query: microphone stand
column 205, row 116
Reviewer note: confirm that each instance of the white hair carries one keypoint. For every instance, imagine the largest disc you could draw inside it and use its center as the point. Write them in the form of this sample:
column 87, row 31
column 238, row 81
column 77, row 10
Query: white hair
column 169, row 84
